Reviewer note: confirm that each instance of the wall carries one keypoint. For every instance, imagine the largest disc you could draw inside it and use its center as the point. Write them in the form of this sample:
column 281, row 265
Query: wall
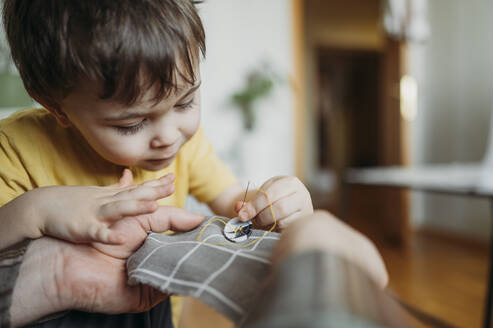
column 454, row 71
column 338, row 24
column 241, row 35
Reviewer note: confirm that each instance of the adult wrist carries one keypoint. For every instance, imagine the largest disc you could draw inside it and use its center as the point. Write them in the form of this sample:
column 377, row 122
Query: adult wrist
column 36, row 293
column 10, row 262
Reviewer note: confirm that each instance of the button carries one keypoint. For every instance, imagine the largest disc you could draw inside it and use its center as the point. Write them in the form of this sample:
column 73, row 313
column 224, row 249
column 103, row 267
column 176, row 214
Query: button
column 237, row 231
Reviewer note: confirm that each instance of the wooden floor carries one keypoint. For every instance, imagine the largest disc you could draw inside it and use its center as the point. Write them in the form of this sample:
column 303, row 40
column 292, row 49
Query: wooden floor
column 444, row 277
column 439, row 276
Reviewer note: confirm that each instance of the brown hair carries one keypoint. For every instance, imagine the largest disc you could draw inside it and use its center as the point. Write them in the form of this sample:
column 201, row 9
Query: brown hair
column 125, row 46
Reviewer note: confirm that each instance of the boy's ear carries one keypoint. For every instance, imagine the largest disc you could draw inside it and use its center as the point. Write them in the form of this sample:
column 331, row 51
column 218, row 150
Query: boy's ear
column 61, row 117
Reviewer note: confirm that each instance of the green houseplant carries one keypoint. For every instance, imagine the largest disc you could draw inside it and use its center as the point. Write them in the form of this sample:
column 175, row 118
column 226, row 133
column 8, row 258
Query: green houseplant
column 12, row 92
column 259, row 84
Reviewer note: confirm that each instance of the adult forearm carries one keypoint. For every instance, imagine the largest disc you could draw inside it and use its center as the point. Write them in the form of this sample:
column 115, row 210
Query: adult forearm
column 35, row 294
column 10, row 262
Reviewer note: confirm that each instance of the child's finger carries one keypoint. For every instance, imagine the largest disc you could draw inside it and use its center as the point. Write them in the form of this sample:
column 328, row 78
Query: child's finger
column 101, row 233
column 168, row 178
column 281, row 209
column 285, row 222
column 119, row 209
column 263, row 198
column 271, row 181
column 246, row 211
column 126, row 179
column 146, row 192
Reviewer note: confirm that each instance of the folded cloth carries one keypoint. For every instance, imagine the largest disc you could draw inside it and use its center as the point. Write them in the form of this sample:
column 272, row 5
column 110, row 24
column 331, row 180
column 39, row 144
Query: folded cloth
column 204, row 264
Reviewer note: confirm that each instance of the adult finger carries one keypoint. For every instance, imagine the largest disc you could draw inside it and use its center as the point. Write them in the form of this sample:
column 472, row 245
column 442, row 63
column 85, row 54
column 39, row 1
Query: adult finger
column 170, row 218
column 322, row 231
column 101, row 233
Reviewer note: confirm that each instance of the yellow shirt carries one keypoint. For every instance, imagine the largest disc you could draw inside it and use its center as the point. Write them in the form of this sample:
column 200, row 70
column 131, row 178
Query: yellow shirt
column 35, row 151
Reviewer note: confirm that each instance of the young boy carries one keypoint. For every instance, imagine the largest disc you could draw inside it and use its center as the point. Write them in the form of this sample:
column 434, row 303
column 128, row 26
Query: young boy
column 120, row 86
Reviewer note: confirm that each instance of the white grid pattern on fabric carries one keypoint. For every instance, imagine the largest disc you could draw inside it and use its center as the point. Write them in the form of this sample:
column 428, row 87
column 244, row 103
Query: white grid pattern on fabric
column 162, row 246
column 184, row 258
column 205, row 285
column 223, row 268
column 220, row 296
column 242, row 254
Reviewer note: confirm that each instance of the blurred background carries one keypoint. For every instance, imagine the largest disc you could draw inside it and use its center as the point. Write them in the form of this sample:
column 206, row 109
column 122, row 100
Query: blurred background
column 362, row 84
column 322, row 89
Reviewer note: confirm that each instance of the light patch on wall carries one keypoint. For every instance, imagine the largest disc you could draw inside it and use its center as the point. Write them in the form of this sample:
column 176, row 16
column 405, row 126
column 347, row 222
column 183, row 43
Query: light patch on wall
column 409, row 97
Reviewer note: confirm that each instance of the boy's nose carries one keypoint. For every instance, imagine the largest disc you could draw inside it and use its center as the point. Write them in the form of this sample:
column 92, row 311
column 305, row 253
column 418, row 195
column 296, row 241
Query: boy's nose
column 165, row 137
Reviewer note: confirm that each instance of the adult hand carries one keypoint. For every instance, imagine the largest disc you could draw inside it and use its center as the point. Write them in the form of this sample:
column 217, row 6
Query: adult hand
column 56, row 275
column 345, row 289
column 324, row 232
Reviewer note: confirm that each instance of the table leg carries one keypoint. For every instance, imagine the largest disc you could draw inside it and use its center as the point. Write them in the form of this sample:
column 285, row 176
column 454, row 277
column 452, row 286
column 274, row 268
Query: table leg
column 344, row 201
column 489, row 290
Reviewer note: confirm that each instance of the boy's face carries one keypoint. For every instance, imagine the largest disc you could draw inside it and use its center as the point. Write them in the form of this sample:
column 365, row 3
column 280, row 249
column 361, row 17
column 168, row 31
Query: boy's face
column 146, row 135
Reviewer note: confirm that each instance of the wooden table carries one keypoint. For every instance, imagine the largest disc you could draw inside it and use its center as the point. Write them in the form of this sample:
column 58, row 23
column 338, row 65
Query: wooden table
column 470, row 180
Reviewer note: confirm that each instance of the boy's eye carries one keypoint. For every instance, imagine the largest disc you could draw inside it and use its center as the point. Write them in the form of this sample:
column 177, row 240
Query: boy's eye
column 184, row 106
column 130, row 129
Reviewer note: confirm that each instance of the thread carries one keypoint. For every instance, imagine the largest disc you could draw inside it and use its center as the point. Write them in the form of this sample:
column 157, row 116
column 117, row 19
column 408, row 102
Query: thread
column 244, row 196
column 215, row 218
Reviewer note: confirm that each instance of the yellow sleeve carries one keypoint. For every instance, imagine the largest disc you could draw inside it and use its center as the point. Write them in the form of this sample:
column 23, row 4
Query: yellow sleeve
column 14, row 180
column 208, row 175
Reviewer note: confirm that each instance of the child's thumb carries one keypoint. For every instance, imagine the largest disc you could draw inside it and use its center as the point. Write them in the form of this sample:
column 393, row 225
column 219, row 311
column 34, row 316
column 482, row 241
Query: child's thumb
column 246, row 211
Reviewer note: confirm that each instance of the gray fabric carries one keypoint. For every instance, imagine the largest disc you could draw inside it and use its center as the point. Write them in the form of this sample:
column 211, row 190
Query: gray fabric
column 10, row 263
column 307, row 290
column 223, row 276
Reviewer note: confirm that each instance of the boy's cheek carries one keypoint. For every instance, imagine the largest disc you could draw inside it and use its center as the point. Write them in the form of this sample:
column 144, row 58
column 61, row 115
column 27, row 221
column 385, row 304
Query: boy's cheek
column 128, row 156
column 114, row 148
column 121, row 154
column 191, row 124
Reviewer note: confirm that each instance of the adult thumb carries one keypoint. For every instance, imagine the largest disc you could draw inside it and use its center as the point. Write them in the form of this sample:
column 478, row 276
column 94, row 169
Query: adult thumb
column 170, row 218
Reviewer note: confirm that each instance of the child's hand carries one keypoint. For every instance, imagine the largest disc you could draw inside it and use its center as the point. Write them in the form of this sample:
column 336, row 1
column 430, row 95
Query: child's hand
column 86, row 213
column 289, row 197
